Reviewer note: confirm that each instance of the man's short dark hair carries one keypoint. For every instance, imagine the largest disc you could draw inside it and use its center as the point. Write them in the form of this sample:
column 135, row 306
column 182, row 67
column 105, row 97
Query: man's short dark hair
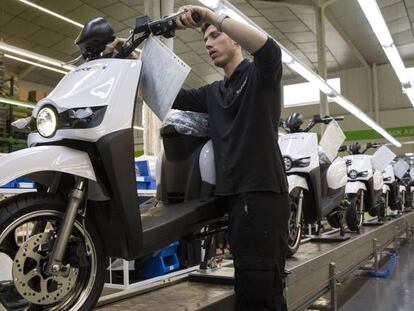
column 204, row 27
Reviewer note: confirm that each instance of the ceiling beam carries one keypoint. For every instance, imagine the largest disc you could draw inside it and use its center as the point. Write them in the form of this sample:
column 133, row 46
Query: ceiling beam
column 347, row 40
column 311, row 4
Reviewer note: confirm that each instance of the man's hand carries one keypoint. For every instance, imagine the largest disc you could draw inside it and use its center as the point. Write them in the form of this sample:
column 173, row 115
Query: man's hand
column 117, row 45
column 186, row 20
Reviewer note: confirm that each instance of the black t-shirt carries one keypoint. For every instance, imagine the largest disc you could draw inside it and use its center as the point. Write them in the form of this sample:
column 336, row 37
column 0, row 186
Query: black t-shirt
column 244, row 112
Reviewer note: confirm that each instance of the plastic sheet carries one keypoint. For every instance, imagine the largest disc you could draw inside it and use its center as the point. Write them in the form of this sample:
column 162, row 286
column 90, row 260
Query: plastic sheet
column 189, row 122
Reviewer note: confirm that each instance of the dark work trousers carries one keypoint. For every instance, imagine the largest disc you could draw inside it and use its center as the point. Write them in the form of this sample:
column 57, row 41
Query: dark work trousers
column 258, row 241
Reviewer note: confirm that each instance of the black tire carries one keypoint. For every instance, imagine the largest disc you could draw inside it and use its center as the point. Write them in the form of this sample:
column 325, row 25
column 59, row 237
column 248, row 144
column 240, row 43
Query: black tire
column 353, row 215
column 334, row 220
column 18, row 210
column 294, row 233
column 373, row 211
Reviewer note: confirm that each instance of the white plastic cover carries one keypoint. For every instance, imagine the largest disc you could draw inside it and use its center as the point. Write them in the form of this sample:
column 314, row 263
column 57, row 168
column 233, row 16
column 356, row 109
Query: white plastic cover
column 382, row 157
column 332, row 139
column 378, row 181
column 163, row 75
column 336, row 175
column 400, row 168
column 207, row 164
column 189, row 122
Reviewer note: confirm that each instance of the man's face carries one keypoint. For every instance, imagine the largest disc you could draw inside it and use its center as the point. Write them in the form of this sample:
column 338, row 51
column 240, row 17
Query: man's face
column 221, row 48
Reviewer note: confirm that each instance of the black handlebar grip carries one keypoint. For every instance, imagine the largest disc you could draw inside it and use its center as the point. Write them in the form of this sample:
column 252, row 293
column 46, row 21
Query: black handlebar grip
column 196, row 17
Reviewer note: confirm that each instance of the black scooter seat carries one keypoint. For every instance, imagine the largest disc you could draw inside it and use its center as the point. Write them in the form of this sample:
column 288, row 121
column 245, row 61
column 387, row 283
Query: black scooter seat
column 163, row 223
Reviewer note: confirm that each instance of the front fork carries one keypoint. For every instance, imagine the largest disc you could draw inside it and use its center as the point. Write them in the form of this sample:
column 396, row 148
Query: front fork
column 300, row 209
column 76, row 197
column 361, row 206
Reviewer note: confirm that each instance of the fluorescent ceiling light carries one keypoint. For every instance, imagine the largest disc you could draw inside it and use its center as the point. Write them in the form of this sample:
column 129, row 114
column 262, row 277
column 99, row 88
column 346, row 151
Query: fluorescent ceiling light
column 345, row 103
column 315, row 80
column 138, row 128
column 51, row 13
column 38, row 7
column 15, row 102
column 376, row 20
column 398, row 65
column 35, row 64
column 290, row 60
column 51, row 61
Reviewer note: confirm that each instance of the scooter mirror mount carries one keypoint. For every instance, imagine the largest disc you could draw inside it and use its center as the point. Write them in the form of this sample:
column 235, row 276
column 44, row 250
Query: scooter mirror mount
column 342, row 148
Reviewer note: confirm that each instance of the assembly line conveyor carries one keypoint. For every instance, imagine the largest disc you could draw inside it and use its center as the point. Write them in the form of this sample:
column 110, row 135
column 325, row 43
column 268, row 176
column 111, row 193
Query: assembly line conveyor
column 315, row 269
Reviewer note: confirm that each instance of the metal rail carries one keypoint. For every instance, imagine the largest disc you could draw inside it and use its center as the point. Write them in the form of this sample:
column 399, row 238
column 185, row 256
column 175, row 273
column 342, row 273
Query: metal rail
column 316, row 269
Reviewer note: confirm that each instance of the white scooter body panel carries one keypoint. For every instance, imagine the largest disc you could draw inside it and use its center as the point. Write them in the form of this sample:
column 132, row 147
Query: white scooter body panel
column 45, row 158
column 360, row 163
column 337, row 174
column 401, row 189
column 386, row 188
column 296, row 181
column 388, row 173
column 105, row 82
column 378, row 181
column 300, row 145
column 207, row 164
column 355, row 186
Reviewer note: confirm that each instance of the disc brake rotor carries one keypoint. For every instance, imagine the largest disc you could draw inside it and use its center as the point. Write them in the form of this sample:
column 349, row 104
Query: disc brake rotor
column 30, row 280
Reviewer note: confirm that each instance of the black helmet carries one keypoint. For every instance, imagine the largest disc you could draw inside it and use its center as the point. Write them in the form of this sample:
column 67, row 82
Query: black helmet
column 355, row 148
column 294, row 121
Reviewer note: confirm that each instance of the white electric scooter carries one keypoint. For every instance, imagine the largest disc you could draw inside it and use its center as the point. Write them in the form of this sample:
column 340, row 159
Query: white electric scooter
column 316, row 189
column 55, row 243
column 391, row 189
column 364, row 190
column 402, row 174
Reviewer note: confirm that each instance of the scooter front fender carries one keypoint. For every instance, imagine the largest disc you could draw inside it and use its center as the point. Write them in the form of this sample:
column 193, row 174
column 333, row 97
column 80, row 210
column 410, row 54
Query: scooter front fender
column 354, row 187
column 296, row 181
column 386, row 189
column 45, row 158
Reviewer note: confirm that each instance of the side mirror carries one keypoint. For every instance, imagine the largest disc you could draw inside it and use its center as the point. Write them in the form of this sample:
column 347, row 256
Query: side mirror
column 342, row 148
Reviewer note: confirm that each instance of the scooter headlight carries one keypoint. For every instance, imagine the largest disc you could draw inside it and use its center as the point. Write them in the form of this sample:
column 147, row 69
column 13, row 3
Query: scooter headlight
column 303, row 162
column 46, row 122
column 288, row 163
column 353, row 174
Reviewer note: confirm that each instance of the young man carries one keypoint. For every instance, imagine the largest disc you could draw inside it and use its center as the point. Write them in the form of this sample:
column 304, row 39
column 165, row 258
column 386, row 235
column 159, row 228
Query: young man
column 244, row 111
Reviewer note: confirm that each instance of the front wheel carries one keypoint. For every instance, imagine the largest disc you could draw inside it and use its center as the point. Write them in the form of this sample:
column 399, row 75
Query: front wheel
column 24, row 284
column 295, row 230
column 354, row 212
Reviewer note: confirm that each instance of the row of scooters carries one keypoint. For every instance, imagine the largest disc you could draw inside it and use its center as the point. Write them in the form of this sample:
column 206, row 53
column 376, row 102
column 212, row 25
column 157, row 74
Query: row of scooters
column 339, row 189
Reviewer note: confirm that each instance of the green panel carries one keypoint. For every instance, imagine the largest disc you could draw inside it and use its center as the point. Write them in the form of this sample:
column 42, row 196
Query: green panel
column 405, row 131
column 138, row 153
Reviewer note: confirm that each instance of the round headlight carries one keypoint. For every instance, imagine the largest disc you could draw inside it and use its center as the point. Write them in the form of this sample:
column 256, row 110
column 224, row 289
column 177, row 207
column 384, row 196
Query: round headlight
column 353, row 174
column 288, row 163
column 46, row 122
